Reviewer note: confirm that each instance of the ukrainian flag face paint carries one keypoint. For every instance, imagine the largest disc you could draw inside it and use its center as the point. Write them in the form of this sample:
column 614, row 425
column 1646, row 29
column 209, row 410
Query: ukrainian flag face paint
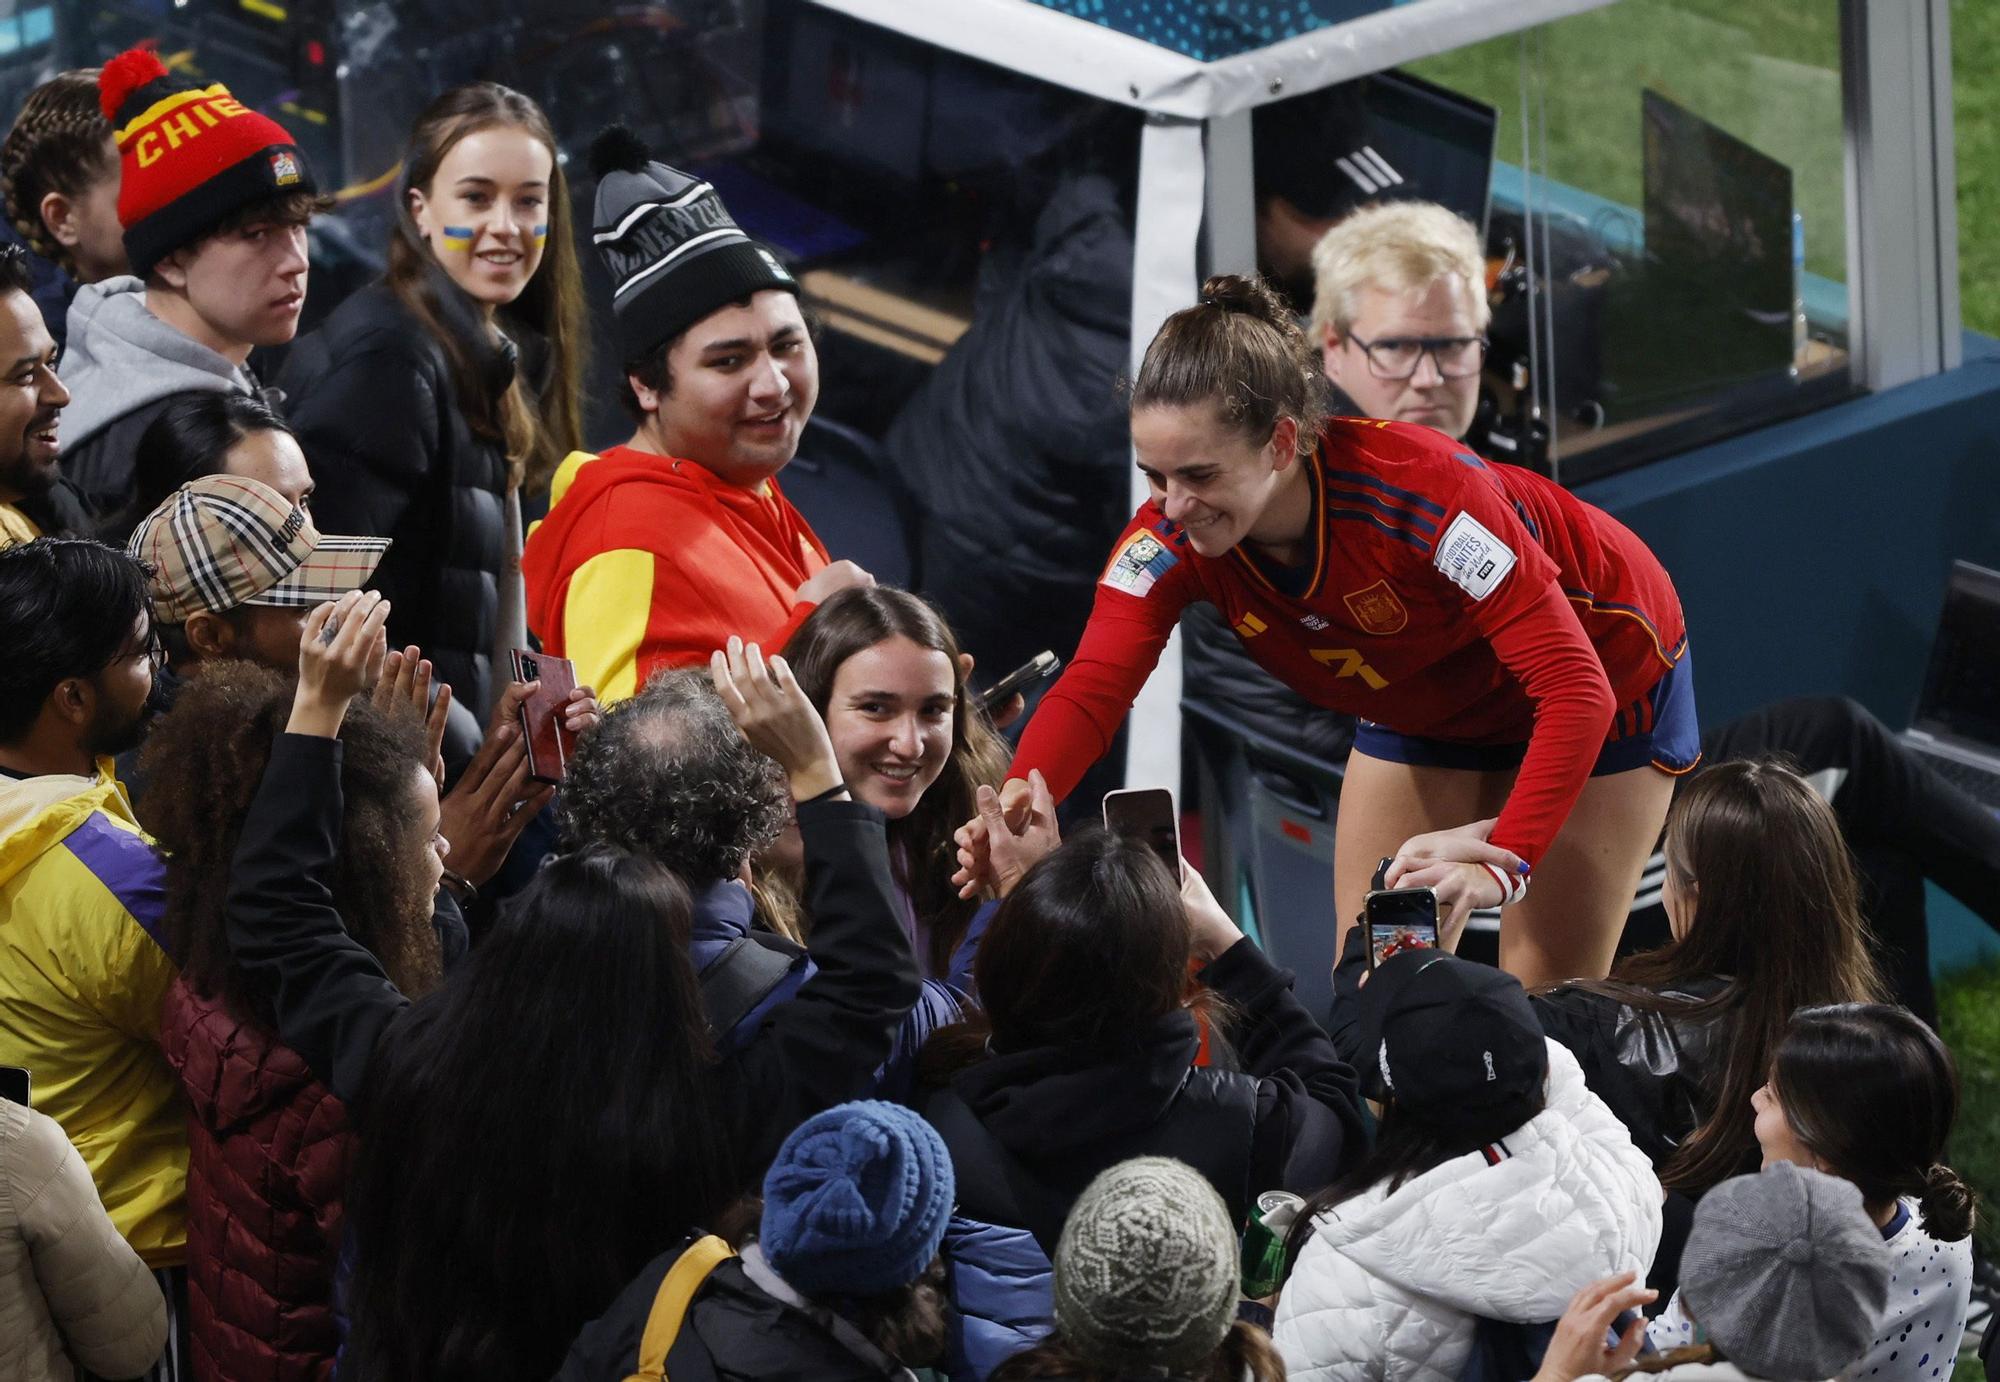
column 486, row 212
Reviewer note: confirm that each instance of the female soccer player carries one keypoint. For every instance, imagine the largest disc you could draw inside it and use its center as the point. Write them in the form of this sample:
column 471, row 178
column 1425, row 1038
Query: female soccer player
column 1512, row 652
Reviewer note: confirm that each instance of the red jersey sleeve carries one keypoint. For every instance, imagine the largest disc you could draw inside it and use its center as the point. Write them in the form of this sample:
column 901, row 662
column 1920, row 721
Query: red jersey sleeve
column 1145, row 585
column 1512, row 592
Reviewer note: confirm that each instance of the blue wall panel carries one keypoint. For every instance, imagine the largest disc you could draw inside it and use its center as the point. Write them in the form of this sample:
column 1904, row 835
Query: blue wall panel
column 1811, row 556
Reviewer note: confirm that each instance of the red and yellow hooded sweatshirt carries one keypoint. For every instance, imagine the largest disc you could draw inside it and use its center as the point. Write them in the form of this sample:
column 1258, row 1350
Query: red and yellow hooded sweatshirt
column 648, row 561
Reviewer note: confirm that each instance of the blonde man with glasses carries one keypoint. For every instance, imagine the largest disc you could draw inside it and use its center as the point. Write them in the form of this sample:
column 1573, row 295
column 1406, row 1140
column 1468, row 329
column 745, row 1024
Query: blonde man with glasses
column 1400, row 313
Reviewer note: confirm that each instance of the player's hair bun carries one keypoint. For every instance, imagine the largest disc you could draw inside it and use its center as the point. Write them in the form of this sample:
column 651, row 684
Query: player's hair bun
column 1248, row 295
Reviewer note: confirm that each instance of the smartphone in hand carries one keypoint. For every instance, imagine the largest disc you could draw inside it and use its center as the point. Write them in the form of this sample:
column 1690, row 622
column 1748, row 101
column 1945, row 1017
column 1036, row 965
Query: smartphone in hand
column 549, row 740
column 1147, row 815
column 16, row 1085
column 1400, row 919
column 1040, row 667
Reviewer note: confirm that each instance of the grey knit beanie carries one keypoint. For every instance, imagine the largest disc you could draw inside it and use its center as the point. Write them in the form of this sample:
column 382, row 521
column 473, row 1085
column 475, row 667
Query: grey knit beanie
column 1786, row 1273
column 1146, row 1268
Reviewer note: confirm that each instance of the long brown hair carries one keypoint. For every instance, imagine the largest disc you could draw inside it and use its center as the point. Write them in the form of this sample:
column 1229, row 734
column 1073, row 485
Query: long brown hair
column 539, row 432
column 1092, row 945
column 1873, row 1093
column 1777, row 914
column 203, row 763
column 1245, row 1352
column 852, row 622
column 57, row 144
column 1239, row 351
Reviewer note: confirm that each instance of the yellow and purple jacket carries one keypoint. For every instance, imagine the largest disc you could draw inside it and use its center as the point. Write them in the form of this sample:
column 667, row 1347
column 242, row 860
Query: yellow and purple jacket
column 82, row 975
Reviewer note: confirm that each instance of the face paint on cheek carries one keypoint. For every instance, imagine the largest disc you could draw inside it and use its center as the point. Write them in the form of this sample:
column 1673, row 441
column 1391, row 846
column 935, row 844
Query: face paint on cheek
column 541, row 233
column 458, row 238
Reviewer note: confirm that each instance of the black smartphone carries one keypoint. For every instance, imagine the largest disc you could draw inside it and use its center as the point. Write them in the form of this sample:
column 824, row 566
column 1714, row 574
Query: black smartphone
column 1040, row 667
column 1400, row 919
column 1147, row 815
column 16, row 1085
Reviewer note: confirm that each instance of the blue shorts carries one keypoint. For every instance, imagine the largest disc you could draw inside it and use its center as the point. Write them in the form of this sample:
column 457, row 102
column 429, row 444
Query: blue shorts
column 1657, row 730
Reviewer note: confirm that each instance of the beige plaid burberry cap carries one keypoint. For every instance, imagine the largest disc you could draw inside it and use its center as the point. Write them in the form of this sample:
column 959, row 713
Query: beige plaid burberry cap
column 225, row 540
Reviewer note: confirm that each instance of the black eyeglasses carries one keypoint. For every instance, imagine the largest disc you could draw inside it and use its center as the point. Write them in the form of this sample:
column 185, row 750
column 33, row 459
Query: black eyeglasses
column 1397, row 357
column 153, row 650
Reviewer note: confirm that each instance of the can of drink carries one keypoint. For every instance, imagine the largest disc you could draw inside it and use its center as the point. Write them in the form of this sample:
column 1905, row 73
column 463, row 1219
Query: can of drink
column 1264, row 1242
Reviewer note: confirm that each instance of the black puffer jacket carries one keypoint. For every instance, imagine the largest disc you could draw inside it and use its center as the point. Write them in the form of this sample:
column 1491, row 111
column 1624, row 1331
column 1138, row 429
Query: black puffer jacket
column 372, row 397
column 1018, row 442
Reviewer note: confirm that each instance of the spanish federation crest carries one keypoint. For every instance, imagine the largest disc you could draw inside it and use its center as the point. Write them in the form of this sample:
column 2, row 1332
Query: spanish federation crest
column 1377, row 609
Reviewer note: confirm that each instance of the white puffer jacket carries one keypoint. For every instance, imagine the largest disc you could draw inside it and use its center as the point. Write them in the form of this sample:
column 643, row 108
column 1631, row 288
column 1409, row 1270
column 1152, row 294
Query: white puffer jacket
column 1388, row 1288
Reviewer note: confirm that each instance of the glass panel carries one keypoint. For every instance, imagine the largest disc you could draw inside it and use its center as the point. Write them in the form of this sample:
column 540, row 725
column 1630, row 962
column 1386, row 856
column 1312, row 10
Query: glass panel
column 1669, row 206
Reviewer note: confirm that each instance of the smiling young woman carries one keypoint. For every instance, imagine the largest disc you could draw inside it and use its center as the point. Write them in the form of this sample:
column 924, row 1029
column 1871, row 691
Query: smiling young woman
column 431, row 399
column 884, row 670
column 1512, row 652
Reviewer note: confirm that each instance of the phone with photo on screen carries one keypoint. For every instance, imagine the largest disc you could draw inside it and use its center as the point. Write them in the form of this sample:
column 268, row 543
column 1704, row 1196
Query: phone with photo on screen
column 549, row 740
column 1400, row 919
column 1147, row 815
column 16, row 1085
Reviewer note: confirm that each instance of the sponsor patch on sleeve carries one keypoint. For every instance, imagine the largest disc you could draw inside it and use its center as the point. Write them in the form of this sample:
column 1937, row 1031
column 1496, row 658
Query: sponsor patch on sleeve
column 1472, row 558
column 1139, row 561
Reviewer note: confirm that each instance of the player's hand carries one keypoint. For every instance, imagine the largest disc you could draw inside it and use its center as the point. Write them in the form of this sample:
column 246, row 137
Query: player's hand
column 995, row 854
column 1452, row 861
column 1016, row 801
column 1580, row 1347
column 829, row 581
column 765, row 700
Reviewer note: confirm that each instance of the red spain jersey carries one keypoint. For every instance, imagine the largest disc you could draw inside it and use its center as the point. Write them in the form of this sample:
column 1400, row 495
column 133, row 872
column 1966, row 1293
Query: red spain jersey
column 1442, row 597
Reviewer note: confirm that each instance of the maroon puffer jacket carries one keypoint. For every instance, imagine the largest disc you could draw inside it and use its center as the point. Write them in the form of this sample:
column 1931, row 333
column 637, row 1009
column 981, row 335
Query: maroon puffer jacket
column 268, row 1158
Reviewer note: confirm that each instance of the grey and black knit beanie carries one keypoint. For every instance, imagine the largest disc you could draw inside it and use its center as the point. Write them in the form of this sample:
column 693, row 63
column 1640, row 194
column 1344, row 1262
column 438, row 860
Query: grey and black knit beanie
column 1786, row 1273
column 673, row 251
column 1146, row 1273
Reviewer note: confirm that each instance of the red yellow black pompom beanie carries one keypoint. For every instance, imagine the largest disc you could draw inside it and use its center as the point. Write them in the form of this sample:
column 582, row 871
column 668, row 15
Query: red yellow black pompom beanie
column 189, row 156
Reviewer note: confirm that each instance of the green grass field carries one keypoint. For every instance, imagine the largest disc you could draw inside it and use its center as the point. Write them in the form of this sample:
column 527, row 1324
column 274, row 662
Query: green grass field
column 1768, row 72
column 1976, row 79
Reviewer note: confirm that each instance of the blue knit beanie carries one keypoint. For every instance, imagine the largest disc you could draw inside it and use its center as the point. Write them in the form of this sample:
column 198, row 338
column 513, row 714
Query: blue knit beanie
column 857, row 1201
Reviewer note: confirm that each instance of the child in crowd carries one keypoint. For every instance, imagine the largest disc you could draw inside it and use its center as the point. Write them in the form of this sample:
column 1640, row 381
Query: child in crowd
column 59, row 175
column 1868, row 1093
column 1784, row 1271
column 1499, row 1185
column 540, row 1127
column 842, row 1284
column 1146, row 1286
column 1086, row 1054
column 431, row 401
